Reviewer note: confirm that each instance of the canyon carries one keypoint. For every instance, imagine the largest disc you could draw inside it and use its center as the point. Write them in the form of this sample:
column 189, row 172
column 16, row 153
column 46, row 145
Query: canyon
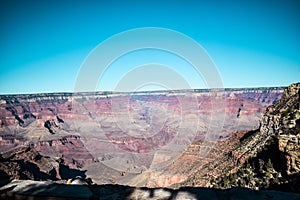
column 153, row 139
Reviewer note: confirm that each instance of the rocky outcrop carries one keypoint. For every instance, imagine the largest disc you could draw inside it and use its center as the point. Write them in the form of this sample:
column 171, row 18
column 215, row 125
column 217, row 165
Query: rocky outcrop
column 269, row 158
column 54, row 125
column 26, row 163
column 69, row 148
column 283, row 121
column 52, row 159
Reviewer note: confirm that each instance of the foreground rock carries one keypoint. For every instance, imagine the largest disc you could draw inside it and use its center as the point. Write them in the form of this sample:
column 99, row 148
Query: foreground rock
column 50, row 190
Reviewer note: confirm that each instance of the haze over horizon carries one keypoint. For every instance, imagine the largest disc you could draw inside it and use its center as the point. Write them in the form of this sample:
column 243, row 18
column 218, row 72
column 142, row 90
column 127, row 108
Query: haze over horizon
column 148, row 89
column 44, row 43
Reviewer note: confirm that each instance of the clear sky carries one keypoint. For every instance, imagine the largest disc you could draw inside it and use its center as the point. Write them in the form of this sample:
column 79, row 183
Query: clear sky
column 43, row 43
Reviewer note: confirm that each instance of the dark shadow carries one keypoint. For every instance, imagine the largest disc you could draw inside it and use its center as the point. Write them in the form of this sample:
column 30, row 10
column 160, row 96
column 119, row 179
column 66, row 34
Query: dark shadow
column 3, row 175
column 7, row 189
column 31, row 171
column 109, row 191
column 293, row 185
column 248, row 134
column 4, row 178
column 271, row 151
column 67, row 173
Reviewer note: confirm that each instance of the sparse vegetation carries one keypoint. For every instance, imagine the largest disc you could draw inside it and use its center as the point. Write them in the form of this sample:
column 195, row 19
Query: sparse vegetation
column 249, row 176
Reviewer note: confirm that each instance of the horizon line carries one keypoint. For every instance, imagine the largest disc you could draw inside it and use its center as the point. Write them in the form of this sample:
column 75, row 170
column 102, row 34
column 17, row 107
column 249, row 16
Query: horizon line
column 145, row 91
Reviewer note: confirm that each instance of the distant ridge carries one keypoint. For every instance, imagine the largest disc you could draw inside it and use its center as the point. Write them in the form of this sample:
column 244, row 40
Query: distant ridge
column 141, row 92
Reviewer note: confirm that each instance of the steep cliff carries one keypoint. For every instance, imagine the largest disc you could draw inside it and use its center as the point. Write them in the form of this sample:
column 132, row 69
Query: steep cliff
column 269, row 158
column 283, row 120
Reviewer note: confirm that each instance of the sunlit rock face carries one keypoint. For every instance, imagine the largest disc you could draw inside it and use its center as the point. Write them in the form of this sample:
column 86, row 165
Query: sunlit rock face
column 129, row 137
column 283, row 121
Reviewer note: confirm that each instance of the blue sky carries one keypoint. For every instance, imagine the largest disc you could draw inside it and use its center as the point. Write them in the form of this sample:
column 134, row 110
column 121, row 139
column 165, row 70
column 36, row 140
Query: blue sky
column 43, row 43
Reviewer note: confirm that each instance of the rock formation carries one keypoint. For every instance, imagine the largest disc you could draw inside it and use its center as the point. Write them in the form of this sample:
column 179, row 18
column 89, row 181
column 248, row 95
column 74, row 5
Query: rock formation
column 47, row 190
column 50, row 137
column 26, row 163
column 270, row 156
column 283, row 120
column 87, row 128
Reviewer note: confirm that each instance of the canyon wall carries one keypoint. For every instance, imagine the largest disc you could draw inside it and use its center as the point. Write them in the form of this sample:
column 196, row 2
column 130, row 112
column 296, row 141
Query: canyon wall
column 124, row 131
